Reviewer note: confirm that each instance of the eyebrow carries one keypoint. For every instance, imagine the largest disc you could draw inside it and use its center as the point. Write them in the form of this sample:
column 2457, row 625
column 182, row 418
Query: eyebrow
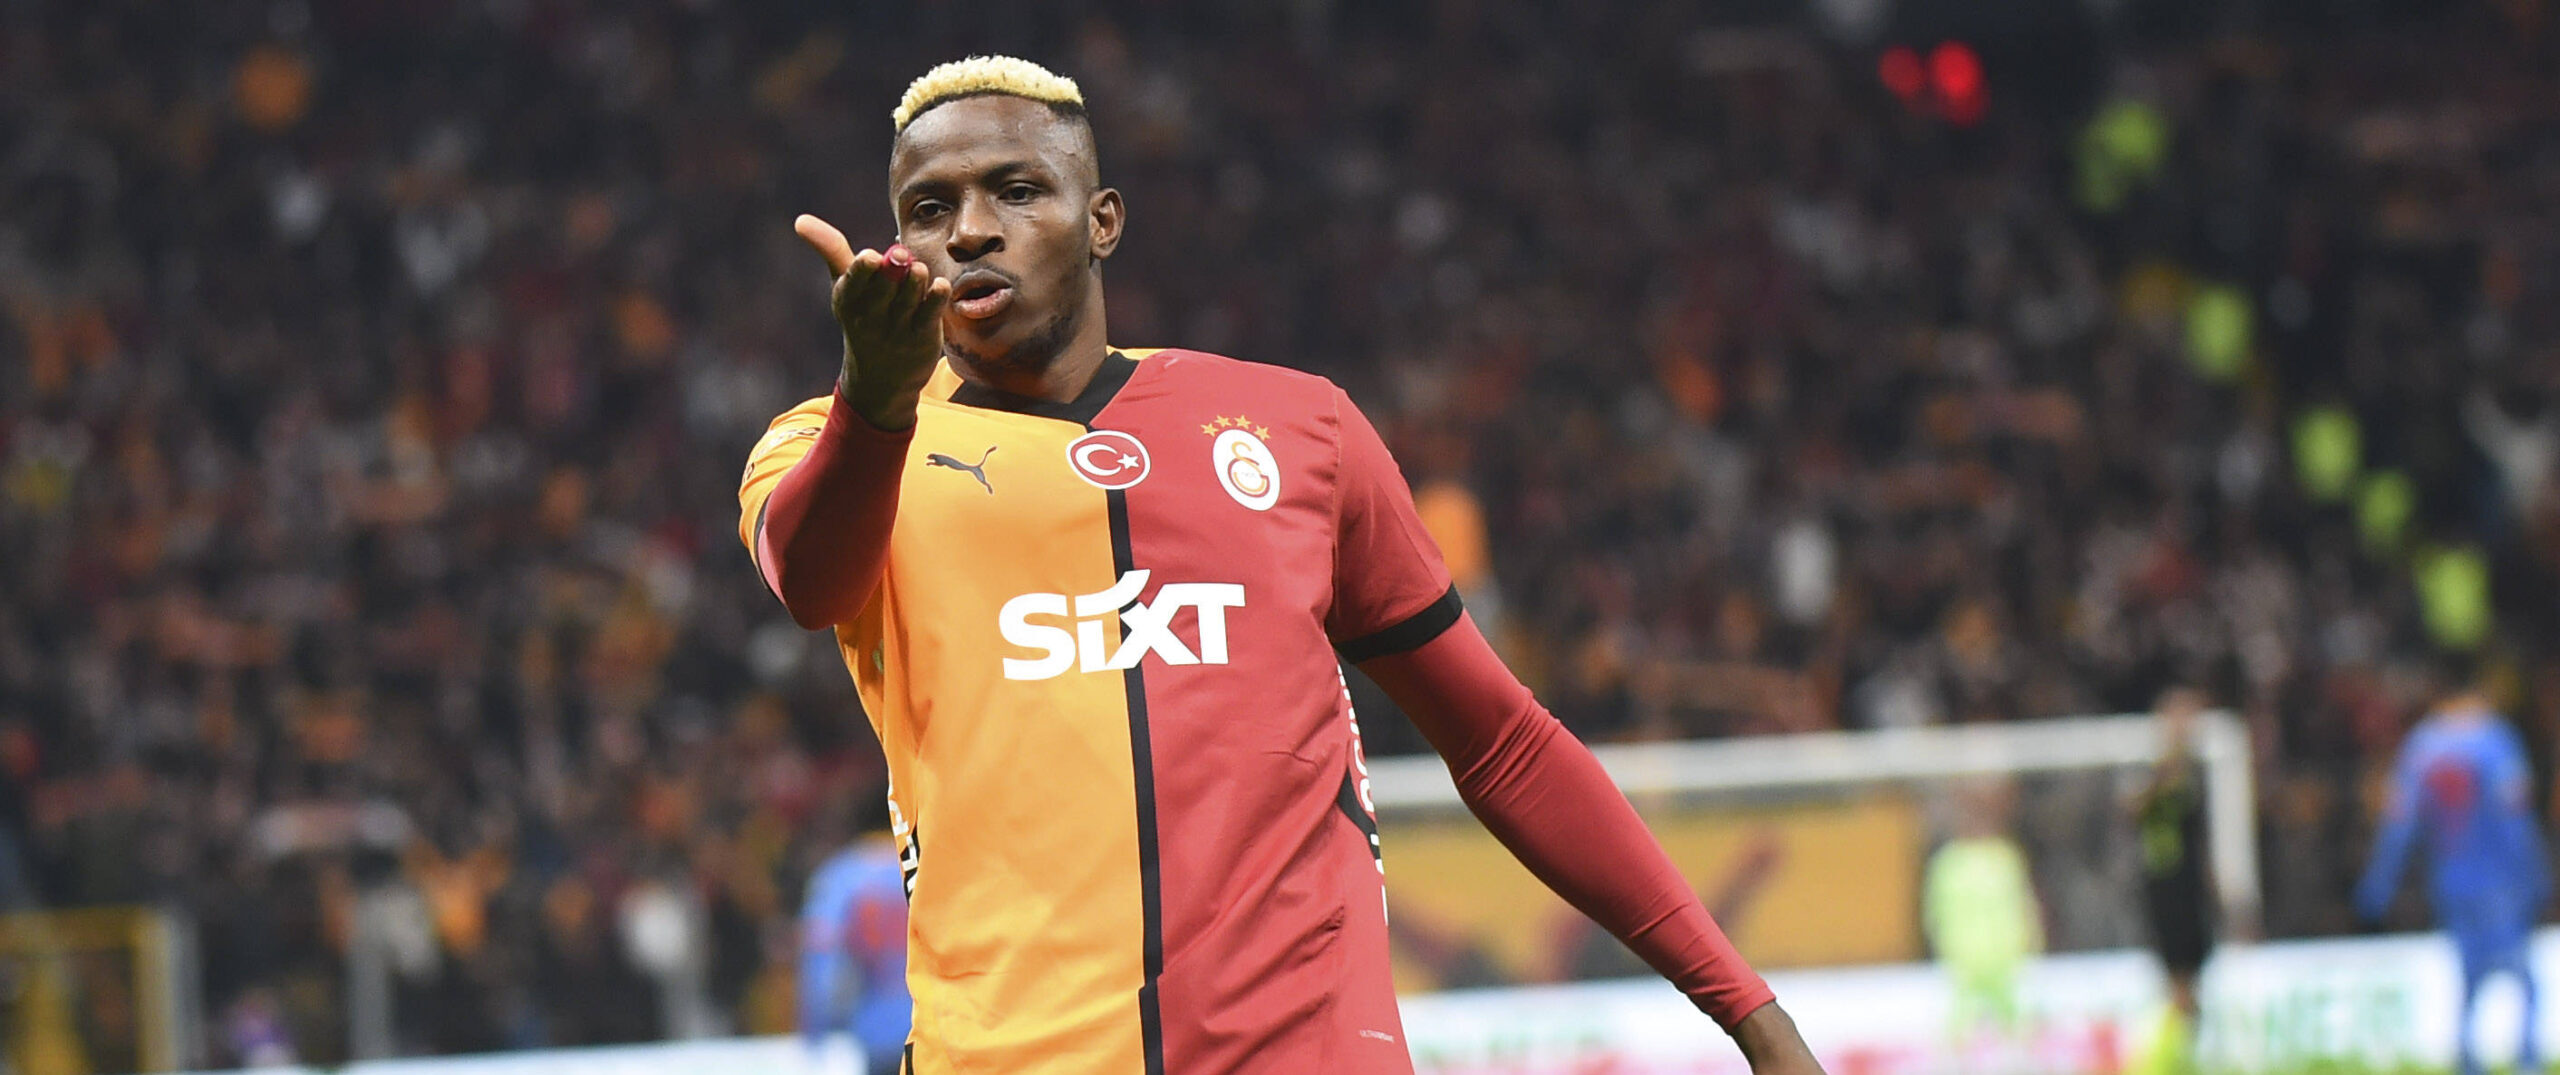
column 997, row 174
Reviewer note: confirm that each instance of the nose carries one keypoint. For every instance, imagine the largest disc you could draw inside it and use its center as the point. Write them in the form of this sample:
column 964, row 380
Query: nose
column 977, row 230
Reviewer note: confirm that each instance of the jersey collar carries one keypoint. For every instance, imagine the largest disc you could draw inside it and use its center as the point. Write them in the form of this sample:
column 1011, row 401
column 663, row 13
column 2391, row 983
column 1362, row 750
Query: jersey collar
column 1107, row 381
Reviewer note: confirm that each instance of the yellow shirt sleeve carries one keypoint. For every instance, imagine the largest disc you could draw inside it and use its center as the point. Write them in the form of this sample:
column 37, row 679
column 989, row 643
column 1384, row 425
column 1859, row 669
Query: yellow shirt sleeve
column 783, row 445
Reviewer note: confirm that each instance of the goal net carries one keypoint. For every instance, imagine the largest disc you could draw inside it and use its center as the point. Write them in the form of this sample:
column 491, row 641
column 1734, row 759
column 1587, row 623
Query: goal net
column 1812, row 849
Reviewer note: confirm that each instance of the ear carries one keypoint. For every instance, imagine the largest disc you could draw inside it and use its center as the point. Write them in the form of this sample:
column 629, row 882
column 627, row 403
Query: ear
column 1104, row 220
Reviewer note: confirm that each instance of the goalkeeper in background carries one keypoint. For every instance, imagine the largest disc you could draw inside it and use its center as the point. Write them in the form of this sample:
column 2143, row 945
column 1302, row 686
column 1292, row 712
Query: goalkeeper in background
column 1979, row 906
column 2463, row 780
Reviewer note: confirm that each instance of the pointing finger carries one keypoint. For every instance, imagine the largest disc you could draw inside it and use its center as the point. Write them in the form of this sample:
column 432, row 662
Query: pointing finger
column 827, row 241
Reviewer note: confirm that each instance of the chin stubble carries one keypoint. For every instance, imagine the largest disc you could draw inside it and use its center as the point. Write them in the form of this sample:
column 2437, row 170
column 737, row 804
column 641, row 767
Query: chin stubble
column 1035, row 354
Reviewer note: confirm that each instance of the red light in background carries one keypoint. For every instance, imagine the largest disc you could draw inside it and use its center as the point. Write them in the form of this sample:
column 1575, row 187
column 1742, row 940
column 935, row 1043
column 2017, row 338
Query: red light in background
column 1957, row 71
column 1899, row 67
column 1957, row 74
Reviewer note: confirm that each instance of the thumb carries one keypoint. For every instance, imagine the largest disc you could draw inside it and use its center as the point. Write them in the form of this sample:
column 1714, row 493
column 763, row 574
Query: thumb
column 827, row 241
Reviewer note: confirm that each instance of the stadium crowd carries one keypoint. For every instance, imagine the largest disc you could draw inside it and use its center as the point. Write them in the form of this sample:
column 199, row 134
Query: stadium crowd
column 374, row 377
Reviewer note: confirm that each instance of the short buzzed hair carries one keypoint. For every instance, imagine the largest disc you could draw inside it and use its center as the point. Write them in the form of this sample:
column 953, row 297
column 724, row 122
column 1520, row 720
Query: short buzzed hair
column 982, row 76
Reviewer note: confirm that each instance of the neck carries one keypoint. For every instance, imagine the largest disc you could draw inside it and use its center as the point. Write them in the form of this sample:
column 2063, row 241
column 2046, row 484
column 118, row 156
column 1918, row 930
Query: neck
column 1058, row 376
column 1060, row 380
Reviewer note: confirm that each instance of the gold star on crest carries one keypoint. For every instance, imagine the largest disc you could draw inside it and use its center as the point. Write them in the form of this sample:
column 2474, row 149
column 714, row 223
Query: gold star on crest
column 1237, row 422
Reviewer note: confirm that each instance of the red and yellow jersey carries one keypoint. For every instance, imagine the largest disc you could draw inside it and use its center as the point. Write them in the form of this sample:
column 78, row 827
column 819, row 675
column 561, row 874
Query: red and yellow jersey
column 1104, row 661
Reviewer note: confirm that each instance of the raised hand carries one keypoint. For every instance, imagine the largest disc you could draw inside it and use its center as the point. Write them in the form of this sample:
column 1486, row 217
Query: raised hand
column 890, row 308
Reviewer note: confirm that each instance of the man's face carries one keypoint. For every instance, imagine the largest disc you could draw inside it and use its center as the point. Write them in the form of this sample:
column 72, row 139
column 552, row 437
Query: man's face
column 998, row 195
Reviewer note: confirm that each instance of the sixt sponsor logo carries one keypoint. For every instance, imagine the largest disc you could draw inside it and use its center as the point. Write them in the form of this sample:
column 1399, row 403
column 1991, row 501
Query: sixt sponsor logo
column 1067, row 632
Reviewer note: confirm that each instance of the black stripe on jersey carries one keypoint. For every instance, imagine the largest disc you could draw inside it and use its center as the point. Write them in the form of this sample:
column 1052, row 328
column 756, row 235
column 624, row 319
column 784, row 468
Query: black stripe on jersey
column 754, row 556
column 1107, row 382
column 1349, row 801
column 1142, row 759
column 1416, row 631
column 911, row 860
column 907, row 1060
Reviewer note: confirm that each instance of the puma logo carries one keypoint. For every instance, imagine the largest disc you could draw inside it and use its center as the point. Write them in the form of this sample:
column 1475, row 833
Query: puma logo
column 976, row 470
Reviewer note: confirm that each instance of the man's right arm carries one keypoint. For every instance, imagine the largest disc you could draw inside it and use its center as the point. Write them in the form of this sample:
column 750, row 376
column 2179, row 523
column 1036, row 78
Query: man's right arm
column 822, row 487
column 818, row 526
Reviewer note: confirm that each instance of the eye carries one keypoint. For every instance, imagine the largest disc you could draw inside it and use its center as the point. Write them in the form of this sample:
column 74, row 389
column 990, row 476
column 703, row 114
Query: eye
column 1017, row 193
column 927, row 210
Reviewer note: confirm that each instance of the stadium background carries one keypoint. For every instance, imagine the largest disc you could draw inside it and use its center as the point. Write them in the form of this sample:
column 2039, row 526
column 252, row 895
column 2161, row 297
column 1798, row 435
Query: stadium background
column 374, row 376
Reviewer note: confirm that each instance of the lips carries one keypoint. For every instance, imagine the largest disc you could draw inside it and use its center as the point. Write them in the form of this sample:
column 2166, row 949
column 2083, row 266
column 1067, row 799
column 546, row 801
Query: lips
column 981, row 293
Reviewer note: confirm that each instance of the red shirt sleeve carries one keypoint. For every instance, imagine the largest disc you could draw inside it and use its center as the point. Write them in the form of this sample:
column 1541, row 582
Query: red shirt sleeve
column 1540, row 792
column 1391, row 593
column 821, row 537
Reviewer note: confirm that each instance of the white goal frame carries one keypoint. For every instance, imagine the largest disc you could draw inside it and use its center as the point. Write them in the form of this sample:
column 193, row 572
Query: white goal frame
column 1714, row 767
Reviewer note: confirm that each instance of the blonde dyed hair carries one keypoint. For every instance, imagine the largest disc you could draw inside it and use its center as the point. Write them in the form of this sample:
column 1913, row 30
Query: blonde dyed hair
column 981, row 75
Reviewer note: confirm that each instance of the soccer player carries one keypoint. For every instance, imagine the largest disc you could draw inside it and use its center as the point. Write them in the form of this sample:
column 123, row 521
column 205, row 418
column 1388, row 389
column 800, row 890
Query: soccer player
column 1096, row 601
column 853, row 951
column 2463, row 778
column 1978, row 906
column 2177, row 896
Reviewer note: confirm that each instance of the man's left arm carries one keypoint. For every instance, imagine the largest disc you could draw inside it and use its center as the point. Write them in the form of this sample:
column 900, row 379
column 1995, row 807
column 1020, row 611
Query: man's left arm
column 1540, row 792
column 1535, row 786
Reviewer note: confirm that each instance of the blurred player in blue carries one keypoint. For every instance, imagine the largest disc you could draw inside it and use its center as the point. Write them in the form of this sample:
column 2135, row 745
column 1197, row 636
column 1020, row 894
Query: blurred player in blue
column 2464, row 781
column 853, row 950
